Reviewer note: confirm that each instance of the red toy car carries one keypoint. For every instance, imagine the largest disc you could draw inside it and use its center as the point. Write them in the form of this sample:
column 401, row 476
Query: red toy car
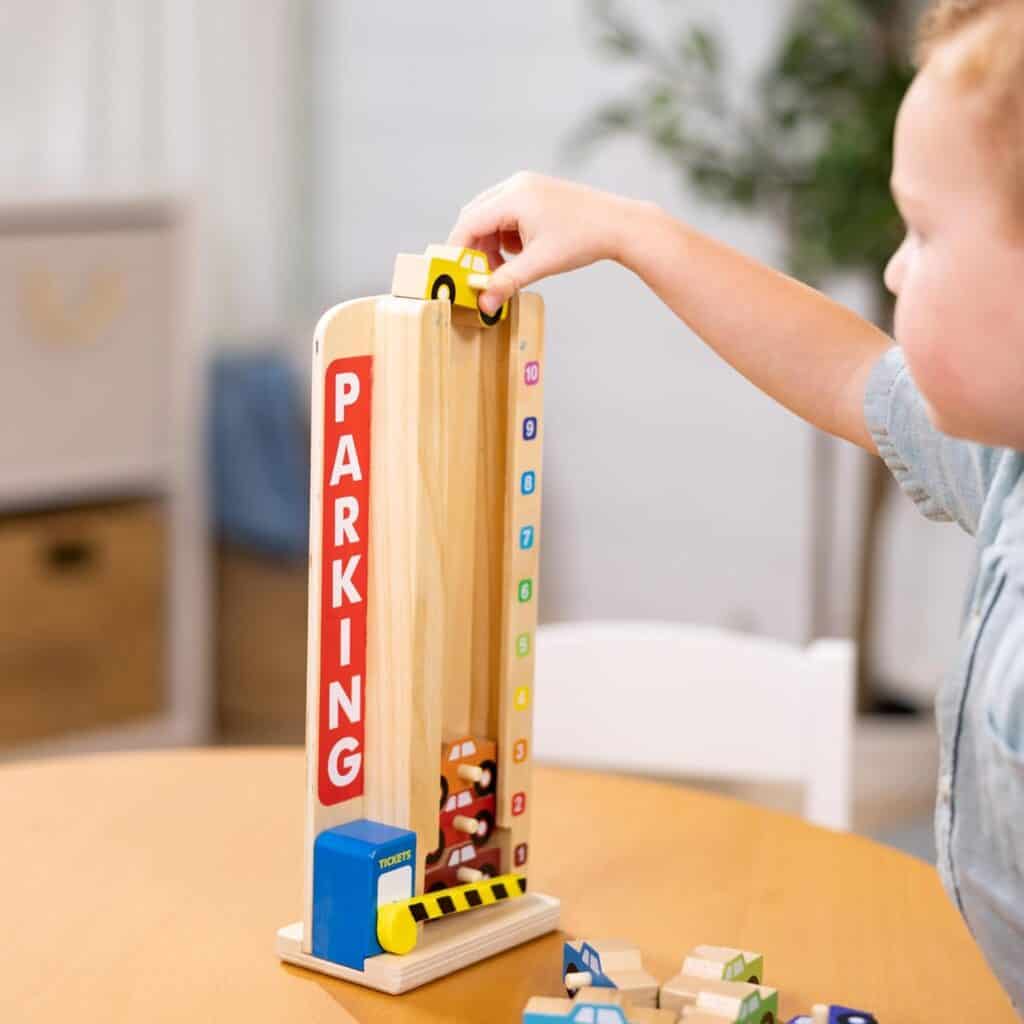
column 467, row 808
column 468, row 786
column 446, row 874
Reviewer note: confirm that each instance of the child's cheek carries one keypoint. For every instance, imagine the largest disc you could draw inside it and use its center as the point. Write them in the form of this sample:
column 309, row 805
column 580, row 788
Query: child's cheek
column 929, row 347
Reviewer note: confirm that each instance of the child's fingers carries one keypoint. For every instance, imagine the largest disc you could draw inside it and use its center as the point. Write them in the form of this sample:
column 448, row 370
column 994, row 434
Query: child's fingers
column 511, row 242
column 488, row 217
column 491, row 248
column 512, row 276
column 488, row 192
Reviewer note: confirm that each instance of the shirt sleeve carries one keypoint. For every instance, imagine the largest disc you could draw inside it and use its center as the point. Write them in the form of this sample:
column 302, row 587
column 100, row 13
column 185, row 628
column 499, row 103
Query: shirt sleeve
column 945, row 477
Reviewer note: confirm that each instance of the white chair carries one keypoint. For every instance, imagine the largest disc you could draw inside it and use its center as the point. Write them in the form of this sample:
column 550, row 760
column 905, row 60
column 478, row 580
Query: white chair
column 674, row 700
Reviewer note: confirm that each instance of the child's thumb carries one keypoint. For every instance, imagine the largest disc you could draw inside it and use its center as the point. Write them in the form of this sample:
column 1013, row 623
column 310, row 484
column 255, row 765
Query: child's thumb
column 512, row 276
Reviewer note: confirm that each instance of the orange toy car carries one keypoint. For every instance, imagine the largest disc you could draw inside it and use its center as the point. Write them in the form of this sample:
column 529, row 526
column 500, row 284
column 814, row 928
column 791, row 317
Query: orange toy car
column 468, row 763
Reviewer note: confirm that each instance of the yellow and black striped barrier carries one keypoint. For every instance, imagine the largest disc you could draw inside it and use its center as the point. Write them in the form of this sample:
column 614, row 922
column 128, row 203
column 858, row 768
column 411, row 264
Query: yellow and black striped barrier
column 396, row 922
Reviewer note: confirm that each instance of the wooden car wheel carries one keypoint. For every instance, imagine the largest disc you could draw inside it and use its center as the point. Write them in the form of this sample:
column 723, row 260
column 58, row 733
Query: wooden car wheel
column 491, row 776
column 492, row 319
column 443, row 288
column 572, row 969
column 485, row 826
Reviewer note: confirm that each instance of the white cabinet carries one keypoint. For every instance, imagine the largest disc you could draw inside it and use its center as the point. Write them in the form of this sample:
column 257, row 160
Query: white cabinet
column 101, row 385
column 84, row 359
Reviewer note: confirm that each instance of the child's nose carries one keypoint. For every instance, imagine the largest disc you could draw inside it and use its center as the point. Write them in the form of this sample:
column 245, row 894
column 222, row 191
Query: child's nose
column 894, row 270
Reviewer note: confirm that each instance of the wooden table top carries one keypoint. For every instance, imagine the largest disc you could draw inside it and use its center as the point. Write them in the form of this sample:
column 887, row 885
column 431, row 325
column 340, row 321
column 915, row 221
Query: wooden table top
column 149, row 887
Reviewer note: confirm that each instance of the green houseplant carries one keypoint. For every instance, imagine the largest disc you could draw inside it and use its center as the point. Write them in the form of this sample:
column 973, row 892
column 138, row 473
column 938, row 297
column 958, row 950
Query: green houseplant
column 814, row 148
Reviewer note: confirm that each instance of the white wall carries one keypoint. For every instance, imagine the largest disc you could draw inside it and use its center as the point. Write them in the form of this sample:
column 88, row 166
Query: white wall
column 109, row 96
column 322, row 136
column 672, row 488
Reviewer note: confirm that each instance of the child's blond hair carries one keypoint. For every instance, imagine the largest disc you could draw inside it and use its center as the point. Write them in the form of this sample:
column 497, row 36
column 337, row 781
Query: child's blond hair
column 989, row 64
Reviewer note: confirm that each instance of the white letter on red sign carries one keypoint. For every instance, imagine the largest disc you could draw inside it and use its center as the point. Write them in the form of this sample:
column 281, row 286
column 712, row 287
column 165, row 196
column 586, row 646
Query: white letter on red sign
column 345, row 642
column 352, row 762
column 346, row 461
column 346, row 394
column 341, row 580
column 339, row 700
column 346, row 512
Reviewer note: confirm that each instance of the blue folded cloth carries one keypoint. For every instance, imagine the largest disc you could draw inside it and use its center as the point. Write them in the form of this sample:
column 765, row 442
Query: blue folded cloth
column 259, row 454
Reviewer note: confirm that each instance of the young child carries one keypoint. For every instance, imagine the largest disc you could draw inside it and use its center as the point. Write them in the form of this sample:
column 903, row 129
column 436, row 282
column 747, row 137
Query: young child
column 944, row 409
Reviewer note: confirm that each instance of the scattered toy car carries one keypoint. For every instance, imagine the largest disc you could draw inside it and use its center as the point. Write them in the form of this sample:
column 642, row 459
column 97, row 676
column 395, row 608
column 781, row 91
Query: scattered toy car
column 608, row 964
column 725, row 964
column 737, row 1001
column 822, row 1014
column 592, row 1006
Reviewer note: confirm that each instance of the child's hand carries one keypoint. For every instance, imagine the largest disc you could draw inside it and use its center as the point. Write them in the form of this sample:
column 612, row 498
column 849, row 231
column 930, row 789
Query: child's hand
column 547, row 226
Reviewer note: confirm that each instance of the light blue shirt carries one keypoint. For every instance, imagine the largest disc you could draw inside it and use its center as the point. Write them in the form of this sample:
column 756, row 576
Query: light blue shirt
column 979, row 816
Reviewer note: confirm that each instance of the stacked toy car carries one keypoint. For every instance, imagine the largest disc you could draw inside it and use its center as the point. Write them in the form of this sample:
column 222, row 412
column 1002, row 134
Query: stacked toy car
column 467, row 814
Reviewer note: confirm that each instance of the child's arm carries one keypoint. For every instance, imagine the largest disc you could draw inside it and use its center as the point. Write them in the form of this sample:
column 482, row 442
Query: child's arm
column 806, row 351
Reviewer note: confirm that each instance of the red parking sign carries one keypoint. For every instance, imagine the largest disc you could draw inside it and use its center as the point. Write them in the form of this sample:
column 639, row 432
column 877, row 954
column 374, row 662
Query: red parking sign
column 345, row 519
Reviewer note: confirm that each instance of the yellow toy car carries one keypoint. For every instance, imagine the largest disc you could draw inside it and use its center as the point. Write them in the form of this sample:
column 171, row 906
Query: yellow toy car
column 446, row 272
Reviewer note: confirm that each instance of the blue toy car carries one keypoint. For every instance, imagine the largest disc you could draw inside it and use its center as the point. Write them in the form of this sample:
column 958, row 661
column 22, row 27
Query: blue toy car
column 591, row 1006
column 581, row 957
column 608, row 964
column 822, row 1014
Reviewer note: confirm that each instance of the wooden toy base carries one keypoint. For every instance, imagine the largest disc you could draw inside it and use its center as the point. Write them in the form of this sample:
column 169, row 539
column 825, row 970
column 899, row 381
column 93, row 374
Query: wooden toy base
column 444, row 946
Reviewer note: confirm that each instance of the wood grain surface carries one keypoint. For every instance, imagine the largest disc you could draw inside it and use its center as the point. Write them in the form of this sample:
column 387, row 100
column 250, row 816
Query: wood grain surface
column 150, row 886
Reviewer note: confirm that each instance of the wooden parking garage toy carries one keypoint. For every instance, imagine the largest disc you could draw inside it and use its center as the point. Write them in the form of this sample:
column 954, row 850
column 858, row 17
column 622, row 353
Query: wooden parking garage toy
column 424, row 530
